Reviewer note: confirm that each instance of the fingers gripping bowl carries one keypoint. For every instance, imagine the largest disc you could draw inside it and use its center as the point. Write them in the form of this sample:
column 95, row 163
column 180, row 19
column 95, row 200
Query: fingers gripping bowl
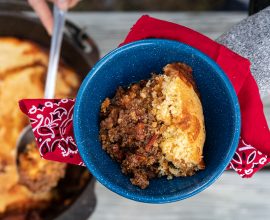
column 132, row 63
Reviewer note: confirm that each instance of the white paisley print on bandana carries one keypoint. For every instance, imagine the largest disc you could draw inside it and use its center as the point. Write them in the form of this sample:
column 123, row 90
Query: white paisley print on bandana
column 51, row 121
column 247, row 160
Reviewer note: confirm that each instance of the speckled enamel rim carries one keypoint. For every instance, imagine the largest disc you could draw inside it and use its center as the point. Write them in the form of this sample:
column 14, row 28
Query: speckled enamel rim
column 126, row 193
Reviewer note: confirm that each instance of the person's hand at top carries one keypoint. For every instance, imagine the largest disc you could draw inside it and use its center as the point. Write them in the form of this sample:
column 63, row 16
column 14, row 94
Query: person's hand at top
column 43, row 11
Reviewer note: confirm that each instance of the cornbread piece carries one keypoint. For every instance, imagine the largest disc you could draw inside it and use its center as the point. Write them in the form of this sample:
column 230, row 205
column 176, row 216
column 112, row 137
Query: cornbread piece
column 18, row 85
column 18, row 197
column 155, row 128
column 23, row 67
column 17, row 54
column 182, row 114
column 38, row 174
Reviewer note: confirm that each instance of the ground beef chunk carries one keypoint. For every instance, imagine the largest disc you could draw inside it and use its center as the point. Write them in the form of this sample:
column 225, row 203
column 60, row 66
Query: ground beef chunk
column 127, row 134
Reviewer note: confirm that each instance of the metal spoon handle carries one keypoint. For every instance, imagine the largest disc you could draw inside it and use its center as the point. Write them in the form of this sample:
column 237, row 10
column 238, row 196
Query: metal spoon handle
column 56, row 41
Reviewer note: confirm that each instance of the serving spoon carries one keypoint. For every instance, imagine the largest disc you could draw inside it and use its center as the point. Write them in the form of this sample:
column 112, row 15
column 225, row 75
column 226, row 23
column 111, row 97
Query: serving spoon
column 27, row 136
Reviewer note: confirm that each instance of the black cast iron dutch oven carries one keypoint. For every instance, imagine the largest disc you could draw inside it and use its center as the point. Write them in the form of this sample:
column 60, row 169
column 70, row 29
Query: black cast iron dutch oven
column 76, row 191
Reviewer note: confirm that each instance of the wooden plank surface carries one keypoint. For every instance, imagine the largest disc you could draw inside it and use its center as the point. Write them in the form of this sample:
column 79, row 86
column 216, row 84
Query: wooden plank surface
column 109, row 29
column 230, row 197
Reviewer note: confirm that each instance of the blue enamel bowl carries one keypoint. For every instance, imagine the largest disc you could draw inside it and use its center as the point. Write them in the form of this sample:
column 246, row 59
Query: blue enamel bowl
column 134, row 62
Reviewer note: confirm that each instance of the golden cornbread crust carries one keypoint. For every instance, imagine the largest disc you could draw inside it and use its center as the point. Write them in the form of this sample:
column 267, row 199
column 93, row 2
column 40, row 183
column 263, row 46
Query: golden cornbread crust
column 155, row 128
column 23, row 67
